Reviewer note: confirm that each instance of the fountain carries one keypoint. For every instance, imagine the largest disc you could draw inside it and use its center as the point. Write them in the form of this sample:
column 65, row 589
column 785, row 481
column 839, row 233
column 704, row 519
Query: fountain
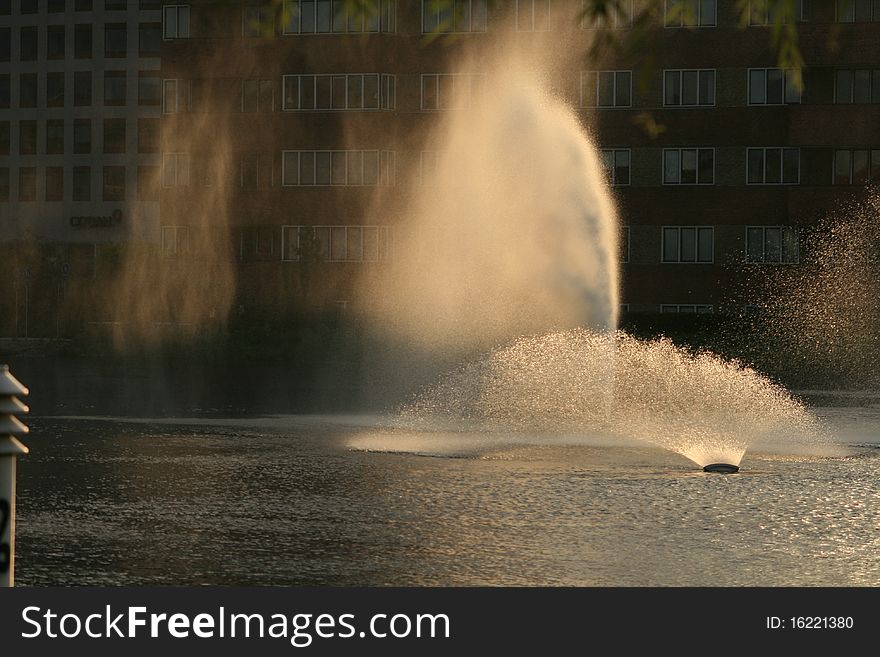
column 511, row 240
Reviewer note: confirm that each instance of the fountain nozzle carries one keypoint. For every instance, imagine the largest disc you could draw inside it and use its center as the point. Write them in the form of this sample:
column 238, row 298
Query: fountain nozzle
column 721, row 468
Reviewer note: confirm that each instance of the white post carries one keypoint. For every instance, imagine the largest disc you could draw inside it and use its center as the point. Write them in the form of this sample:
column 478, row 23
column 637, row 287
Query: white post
column 10, row 448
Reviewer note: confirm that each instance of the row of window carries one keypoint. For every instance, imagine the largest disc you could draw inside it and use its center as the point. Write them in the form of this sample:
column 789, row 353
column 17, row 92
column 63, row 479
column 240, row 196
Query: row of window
column 341, row 243
column 681, row 166
column 696, row 88
column 471, row 16
column 439, row 91
column 56, row 42
column 340, row 92
column 112, row 183
column 149, row 92
column 113, row 130
column 59, row 6
column 777, row 165
column 696, row 245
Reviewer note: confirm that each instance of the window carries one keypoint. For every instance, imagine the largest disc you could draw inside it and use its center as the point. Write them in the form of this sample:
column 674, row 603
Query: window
column 258, row 241
column 55, row 42
column 115, row 5
column 694, row 244
column 772, row 86
column 339, row 92
column 175, row 170
column 5, row 137
column 82, row 88
column 621, row 16
column 688, row 166
column 149, row 39
column 4, row 183
column 532, row 15
column 82, row 184
column 150, row 4
column 114, row 183
column 27, row 137
column 5, row 90
column 698, row 308
column 27, row 44
column 27, row 184
column 773, row 166
column 324, row 16
column 685, row 88
column 175, row 22
column 147, row 183
column 27, row 90
column 82, row 5
column 690, row 13
column 56, row 6
column 149, row 88
column 624, row 244
column 115, row 40
column 255, row 171
column 256, row 21
column 29, row 6
column 82, row 41
column 114, row 135
column 55, row 89
column 616, row 163
column 857, row 86
column 857, row 167
column 5, row 44
column 445, row 91
column 114, row 88
column 352, row 168
column 54, row 137
column 54, row 183
column 454, row 16
column 772, row 244
column 257, row 96
column 176, row 96
column 336, row 243
column 82, row 136
column 175, row 241
column 148, row 135
column 763, row 12
column 612, row 89
column 857, row 11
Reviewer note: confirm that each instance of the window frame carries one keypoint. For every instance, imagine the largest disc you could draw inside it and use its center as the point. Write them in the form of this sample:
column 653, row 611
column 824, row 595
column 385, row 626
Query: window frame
column 785, row 88
column 679, row 261
column 167, row 34
column 699, row 17
column 782, row 260
column 679, row 149
column 699, row 72
column 782, row 150
column 438, row 14
column 385, row 82
column 612, row 178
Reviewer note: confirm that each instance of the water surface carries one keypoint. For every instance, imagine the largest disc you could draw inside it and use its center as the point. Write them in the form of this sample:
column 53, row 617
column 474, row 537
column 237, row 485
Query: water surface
column 301, row 501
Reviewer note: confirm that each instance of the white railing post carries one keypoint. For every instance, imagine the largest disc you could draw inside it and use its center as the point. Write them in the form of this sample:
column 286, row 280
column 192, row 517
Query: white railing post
column 10, row 448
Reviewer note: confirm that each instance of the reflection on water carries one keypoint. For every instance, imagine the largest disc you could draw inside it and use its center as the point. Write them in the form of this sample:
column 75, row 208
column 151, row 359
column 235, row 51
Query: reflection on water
column 289, row 501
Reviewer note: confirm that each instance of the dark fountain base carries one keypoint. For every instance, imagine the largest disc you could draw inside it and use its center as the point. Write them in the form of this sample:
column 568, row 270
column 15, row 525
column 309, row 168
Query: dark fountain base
column 721, row 468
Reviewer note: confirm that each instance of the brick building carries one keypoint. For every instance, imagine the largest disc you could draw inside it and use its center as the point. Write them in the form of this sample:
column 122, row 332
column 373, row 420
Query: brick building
column 281, row 125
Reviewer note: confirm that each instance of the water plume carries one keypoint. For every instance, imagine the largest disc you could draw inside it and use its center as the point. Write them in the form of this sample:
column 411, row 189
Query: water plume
column 823, row 313
column 696, row 404
column 188, row 286
column 510, row 229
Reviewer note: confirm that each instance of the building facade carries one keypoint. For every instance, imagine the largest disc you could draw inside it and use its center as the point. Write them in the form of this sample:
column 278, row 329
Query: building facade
column 282, row 124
